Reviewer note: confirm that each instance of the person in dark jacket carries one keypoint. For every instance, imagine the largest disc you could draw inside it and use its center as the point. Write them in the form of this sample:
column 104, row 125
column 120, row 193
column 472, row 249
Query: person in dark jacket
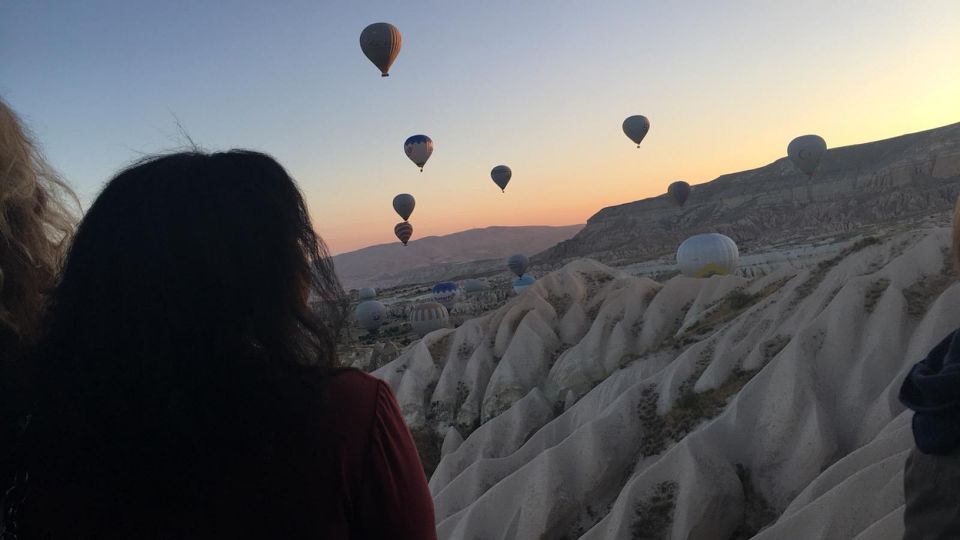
column 36, row 221
column 932, row 472
column 183, row 387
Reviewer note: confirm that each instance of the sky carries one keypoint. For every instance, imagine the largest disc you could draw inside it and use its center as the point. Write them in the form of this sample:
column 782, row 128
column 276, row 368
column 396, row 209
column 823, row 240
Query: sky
column 541, row 86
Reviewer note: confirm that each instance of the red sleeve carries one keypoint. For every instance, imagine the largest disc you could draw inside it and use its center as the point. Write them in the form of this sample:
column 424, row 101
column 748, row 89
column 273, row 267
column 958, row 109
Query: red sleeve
column 395, row 501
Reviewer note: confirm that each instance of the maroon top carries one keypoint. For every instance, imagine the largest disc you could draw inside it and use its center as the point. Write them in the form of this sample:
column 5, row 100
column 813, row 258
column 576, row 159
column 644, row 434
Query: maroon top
column 384, row 488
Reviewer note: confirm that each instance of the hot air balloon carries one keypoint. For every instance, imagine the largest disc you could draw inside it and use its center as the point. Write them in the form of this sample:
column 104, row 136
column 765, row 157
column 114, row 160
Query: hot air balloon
column 380, row 42
column 371, row 315
column 679, row 190
column 521, row 283
column 367, row 293
column 404, row 204
column 501, row 176
column 704, row 255
column 446, row 293
column 518, row 264
column 636, row 127
column 403, row 230
column 806, row 152
column 473, row 287
column 418, row 148
column 427, row 317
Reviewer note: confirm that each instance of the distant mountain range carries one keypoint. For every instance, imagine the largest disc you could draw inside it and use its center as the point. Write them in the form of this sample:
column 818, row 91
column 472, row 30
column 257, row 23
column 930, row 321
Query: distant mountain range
column 471, row 252
column 855, row 187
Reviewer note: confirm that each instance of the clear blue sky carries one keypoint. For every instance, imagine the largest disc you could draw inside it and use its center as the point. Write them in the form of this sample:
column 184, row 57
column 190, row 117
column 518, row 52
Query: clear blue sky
column 541, row 86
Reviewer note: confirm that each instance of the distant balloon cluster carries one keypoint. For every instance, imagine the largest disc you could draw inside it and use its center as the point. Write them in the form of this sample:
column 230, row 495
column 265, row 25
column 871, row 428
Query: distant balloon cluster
column 698, row 256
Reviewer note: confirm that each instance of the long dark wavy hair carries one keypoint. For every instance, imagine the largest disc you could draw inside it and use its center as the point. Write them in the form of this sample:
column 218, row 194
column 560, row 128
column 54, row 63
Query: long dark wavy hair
column 176, row 389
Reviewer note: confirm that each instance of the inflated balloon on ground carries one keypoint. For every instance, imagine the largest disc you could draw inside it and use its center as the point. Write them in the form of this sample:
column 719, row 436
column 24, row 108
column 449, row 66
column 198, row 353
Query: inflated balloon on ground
column 367, row 293
column 806, row 151
column 474, row 286
column 418, row 148
column 705, row 255
column 371, row 315
column 446, row 293
column 381, row 42
column 521, row 283
column 404, row 204
column 428, row 317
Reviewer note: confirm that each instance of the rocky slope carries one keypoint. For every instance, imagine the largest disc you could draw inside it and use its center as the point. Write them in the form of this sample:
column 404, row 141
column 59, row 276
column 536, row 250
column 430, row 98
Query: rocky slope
column 467, row 253
column 856, row 186
column 604, row 405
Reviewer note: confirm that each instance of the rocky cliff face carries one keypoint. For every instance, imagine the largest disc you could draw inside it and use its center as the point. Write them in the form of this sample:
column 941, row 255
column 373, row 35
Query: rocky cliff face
column 856, row 187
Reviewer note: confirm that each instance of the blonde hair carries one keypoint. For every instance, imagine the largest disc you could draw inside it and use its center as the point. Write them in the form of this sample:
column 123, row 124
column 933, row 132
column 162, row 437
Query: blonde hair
column 36, row 222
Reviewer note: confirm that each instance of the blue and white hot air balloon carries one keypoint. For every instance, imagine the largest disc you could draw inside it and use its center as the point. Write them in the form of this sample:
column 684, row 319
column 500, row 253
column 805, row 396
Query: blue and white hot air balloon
column 521, row 283
column 705, row 255
column 446, row 293
column 418, row 148
column 427, row 317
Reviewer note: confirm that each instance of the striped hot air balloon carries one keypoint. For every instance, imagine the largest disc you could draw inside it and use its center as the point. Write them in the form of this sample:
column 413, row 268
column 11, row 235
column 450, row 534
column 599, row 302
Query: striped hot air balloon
column 403, row 230
column 381, row 42
column 428, row 317
column 418, row 148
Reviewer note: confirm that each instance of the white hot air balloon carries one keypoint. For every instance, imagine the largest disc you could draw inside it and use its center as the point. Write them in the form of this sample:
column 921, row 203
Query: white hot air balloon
column 371, row 315
column 367, row 293
column 704, row 255
column 427, row 317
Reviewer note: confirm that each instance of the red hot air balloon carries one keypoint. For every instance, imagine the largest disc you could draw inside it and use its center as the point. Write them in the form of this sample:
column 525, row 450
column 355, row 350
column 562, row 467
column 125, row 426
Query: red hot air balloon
column 403, row 230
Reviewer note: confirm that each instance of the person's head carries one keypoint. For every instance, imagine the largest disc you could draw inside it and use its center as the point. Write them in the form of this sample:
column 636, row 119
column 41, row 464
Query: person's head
column 35, row 224
column 195, row 255
column 178, row 363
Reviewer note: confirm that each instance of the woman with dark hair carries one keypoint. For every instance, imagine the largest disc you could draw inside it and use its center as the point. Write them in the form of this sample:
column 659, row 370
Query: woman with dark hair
column 182, row 387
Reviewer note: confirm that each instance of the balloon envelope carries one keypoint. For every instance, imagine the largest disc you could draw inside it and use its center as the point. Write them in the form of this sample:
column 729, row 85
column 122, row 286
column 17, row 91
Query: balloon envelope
column 704, row 255
column 381, row 42
column 521, row 283
column 501, row 176
column 679, row 191
column 518, row 264
column 404, row 231
column 446, row 293
column 367, row 293
column 404, row 204
column 806, row 151
column 636, row 128
column 371, row 315
column 427, row 317
column 474, row 287
column 418, row 148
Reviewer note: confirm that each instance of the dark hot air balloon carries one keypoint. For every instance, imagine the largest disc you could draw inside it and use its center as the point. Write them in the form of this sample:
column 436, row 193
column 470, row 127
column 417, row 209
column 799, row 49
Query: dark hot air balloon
column 679, row 191
column 404, row 204
column 380, row 42
column 636, row 127
column 806, row 151
column 501, row 176
column 418, row 148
